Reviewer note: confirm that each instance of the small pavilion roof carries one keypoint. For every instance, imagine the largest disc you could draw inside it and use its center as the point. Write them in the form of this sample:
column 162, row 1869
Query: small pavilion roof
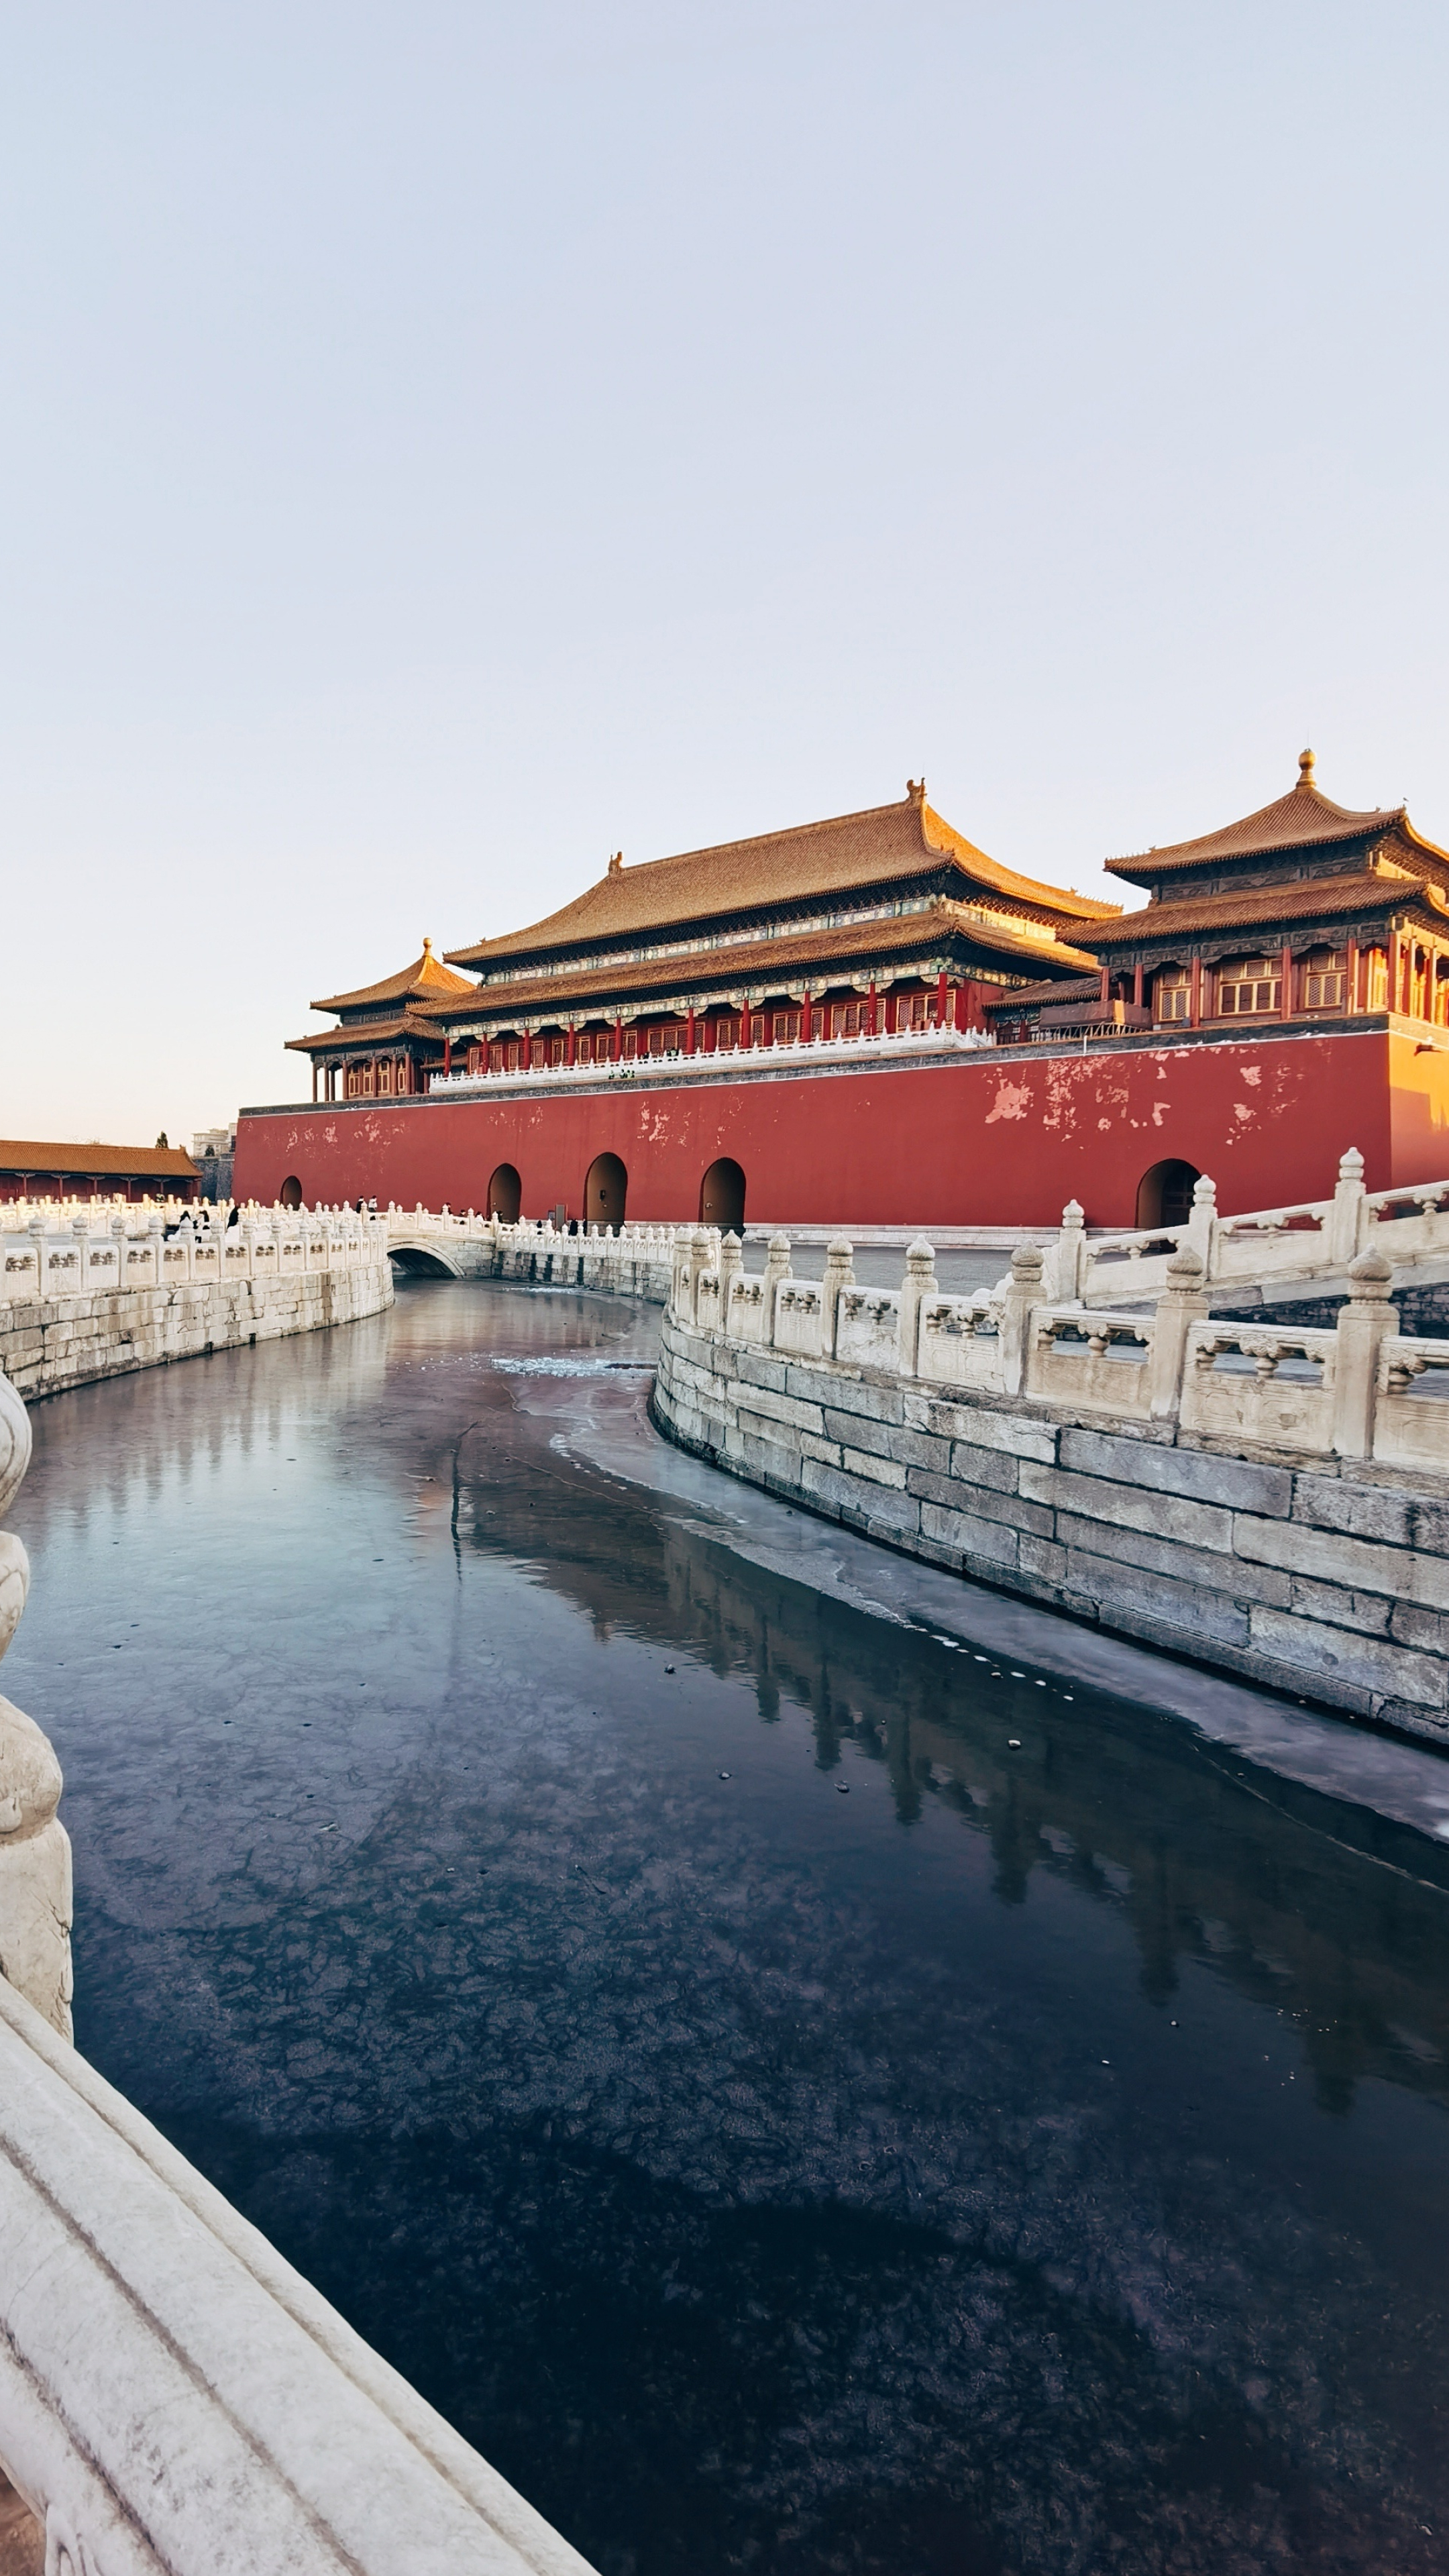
column 357, row 1039
column 1073, row 988
column 426, row 976
column 1303, row 819
column 882, row 845
column 809, row 959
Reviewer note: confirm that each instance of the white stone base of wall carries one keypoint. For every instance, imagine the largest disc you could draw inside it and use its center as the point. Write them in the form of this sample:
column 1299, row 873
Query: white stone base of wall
column 53, row 1343
column 1329, row 1583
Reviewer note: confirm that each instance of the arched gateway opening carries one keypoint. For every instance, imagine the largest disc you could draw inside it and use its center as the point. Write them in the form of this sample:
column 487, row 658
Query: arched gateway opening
column 605, row 1191
column 290, row 1192
column 722, row 1196
column 1164, row 1194
column 505, row 1194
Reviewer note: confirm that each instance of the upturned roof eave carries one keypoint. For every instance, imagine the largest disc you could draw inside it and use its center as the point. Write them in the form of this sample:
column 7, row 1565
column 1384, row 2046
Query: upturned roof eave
column 1341, row 898
column 760, row 964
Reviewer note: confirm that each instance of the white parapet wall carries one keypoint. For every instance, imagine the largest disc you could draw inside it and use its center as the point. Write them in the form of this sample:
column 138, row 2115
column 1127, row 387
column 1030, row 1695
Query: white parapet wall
column 1274, row 1501
column 95, row 1295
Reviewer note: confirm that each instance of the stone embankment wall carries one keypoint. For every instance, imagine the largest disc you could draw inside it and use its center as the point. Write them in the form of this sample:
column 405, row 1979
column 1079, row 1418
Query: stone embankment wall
column 1327, row 1579
column 47, row 1344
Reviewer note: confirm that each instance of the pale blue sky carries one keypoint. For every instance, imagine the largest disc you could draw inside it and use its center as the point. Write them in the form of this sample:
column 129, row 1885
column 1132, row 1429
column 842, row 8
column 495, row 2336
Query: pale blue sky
column 442, row 444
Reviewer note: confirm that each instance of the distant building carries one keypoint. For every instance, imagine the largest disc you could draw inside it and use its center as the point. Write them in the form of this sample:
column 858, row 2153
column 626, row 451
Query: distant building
column 212, row 1149
column 29, row 1171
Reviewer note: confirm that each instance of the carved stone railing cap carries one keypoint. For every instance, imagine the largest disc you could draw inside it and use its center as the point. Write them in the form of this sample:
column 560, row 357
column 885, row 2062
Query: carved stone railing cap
column 1184, row 1270
column 1370, row 1275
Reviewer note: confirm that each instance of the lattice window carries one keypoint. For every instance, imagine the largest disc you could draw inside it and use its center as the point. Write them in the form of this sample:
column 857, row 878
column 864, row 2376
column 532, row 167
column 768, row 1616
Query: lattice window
column 847, row 1019
column 1249, row 985
column 1325, row 979
column 915, row 1010
column 787, row 1028
column 1172, row 994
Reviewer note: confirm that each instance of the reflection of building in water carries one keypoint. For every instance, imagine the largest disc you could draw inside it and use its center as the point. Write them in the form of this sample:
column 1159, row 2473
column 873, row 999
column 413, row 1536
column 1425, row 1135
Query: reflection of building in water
column 1133, row 1809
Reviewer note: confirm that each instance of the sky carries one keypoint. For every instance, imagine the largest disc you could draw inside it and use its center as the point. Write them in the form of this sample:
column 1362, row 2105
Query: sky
column 443, row 444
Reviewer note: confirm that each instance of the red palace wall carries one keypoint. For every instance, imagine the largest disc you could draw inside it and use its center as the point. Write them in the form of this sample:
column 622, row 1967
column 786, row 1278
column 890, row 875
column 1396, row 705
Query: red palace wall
column 984, row 1139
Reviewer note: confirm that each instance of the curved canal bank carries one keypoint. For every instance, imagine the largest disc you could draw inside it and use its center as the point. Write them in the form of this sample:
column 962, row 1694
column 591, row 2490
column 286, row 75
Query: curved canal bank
column 1030, row 2158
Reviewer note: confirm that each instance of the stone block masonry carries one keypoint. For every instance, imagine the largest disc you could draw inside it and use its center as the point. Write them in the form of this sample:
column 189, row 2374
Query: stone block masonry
column 1329, row 1582
column 47, row 1344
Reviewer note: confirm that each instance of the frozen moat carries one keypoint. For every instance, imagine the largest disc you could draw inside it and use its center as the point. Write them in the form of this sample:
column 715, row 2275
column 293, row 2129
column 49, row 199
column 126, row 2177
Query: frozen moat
column 811, row 2068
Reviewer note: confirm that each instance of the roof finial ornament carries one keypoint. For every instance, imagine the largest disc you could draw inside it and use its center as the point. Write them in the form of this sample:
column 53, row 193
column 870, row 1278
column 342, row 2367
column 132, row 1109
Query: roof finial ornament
column 616, row 864
column 1305, row 769
column 427, row 945
column 916, row 790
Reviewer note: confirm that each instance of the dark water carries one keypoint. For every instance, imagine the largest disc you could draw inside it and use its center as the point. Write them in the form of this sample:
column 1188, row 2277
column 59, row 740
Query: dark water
column 1033, row 2159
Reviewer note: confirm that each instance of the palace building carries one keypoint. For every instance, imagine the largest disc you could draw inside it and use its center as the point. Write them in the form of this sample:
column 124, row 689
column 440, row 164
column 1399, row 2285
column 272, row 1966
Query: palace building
column 865, row 925
column 867, row 1020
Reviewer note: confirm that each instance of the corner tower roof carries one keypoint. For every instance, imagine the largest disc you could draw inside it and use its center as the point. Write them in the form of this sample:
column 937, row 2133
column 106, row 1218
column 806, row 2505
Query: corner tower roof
column 1304, row 819
column 884, row 845
column 427, row 979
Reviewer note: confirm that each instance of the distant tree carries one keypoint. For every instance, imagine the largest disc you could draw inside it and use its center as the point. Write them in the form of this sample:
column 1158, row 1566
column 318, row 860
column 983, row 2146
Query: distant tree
column 161, row 1145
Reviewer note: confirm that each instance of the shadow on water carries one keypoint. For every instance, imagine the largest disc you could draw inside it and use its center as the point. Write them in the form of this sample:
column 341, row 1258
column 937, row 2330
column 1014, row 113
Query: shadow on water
column 1032, row 2159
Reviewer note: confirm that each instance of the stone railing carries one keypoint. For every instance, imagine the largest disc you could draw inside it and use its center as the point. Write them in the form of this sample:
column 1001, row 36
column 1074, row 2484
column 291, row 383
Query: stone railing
column 1310, row 1245
column 633, row 1261
column 1313, row 1241
column 783, row 1055
column 41, row 1258
column 1360, row 1391
column 175, row 2400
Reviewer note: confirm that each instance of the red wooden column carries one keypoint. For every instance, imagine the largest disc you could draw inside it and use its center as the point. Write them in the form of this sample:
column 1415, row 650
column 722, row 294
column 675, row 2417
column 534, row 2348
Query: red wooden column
column 1395, row 976
column 618, row 1037
column 448, row 1052
column 689, row 1030
column 1106, row 986
column 1194, row 1006
column 314, row 1081
column 571, row 1051
column 526, row 1052
column 871, row 1009
column 745, row 1027
column 941, row 1000
column 1137, row 986
column 1285, row 970
column 1350, row 981
column 958, row 1011
column 806, row 1009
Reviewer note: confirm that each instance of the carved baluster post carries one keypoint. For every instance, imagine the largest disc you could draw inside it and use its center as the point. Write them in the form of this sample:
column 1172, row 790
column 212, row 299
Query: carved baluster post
column 699, row 1262
column 920, row 1282
column 1202, row 1225
column 777, row 1267
column 731, row 1268
column 35, row 1873
column 1348, row 1219
column 1362, row 1327
column 1069, row 1256
column 1023, row 1292
column 839, row 1275
column 1181, row 1305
